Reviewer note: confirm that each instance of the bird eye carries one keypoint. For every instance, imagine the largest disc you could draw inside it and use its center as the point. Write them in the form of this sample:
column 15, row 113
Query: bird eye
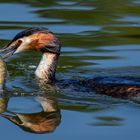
column 19, row 42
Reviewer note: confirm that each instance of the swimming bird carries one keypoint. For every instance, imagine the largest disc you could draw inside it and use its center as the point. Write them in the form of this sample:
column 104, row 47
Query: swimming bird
column 44, row 41
column 38, row 39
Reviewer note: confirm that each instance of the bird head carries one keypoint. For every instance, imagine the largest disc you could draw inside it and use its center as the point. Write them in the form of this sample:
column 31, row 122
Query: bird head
column 38, row 39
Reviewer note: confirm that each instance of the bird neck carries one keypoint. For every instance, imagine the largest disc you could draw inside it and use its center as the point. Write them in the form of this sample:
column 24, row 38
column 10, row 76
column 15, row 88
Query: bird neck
column 47, row 67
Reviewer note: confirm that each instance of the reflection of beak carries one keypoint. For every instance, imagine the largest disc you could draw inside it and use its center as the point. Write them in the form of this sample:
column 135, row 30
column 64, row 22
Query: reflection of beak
column 10, row 50
column 11, row 118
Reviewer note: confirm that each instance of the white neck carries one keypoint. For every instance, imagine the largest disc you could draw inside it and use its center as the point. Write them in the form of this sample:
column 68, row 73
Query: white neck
column 47, row 67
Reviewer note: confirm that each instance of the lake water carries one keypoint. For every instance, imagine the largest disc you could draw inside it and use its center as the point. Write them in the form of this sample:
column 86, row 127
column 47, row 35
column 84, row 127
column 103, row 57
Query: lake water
column 98, row 38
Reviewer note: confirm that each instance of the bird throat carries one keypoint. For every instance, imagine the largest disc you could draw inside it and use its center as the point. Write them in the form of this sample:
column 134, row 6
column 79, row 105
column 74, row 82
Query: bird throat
column 47, row 67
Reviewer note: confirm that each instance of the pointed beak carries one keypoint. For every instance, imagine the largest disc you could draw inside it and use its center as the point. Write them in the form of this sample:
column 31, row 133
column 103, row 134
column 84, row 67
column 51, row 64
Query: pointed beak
column 9, row 50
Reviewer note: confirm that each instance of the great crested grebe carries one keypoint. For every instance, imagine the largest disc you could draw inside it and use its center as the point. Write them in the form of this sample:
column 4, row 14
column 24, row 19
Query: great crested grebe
column 41, row 39
column 38, row 39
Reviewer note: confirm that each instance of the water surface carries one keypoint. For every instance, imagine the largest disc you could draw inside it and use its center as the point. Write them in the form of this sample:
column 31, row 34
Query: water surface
column 98, row 38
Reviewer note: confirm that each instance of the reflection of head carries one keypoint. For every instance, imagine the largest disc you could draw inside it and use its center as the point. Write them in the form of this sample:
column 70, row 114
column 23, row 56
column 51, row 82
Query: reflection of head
column 37, row 122
column 41, row 122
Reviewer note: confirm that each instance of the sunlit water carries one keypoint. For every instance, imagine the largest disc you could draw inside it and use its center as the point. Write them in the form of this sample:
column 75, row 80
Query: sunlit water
column 98, row 38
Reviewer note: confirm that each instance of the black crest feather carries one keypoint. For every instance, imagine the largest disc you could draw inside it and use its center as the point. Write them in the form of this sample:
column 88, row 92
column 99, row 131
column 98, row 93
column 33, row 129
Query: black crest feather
column 29, row 32
column 52, row 47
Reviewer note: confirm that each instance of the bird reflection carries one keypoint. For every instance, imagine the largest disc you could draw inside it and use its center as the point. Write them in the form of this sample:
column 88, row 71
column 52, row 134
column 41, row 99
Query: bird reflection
column 41, row 122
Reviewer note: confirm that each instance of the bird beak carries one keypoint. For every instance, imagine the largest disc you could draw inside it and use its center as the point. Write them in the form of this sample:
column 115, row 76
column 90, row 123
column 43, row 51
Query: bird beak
column 9, row 49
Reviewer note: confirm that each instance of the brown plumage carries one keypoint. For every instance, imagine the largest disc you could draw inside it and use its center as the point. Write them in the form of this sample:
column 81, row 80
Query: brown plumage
column 41, row 39
column 119, row 91
column 118, row 88
column 41, row 122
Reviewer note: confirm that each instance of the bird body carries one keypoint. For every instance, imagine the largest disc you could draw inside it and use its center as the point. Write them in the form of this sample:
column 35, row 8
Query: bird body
column 44, row 41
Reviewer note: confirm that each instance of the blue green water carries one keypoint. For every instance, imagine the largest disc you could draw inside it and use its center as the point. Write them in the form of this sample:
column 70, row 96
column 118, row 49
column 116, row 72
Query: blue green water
column 98, row 38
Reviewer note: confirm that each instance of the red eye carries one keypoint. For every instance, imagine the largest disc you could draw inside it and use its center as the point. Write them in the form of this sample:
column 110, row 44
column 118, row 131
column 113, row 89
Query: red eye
column 19, row 42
